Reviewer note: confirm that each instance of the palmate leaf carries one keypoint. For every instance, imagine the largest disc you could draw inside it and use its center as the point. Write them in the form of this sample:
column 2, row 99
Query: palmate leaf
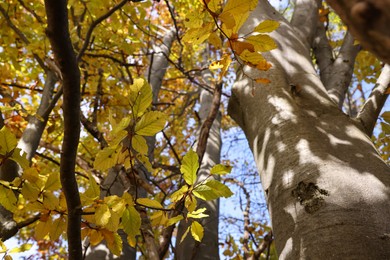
column 189, row 167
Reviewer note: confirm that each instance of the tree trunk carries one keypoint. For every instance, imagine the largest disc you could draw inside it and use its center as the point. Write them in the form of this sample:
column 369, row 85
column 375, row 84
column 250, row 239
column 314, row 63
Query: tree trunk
column 208, row 248
column 326, row 187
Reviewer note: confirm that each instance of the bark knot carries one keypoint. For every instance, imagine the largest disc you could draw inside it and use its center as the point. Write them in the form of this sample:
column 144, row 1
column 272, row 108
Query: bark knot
column 310, row 196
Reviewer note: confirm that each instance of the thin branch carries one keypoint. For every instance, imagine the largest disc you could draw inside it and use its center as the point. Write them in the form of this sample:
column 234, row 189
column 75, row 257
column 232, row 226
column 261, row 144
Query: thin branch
column 92, row 129
column 206, row 126
column 37, row 17
column 58, row 33
column 375, row 102
column 96, row 23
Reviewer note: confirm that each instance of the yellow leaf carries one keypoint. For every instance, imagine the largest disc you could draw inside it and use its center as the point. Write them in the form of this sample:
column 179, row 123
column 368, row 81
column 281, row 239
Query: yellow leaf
column 42, row 229
column 214, row 5
column 251, row 57
column 262, row 42
column 93, row 191
column 266, row 26
column 8, row 257
column 215, row 40
column 239, row 47
column 22, row 248
column 8, row 141
column 197, row 231
column 7, row 198
column 105, row 159
column 131, row 222
column 139, row 144
column 53, row 182
column 149, row 203
column 177, row 195
column 29, row 192
column 116, row 203
column 102, row 215
column 198, row 35
column 140, row 96
column 190, row 203
column 263, row 65
column 151, row 123
column 189, row 167
column 185, row 234
column 197, row 214
column 228, row 21
column 386, row 116
column 57, row 228
column 212, row 190
column 20, row 159
column 114, row 242
column 50, row 201
column 221, row 169
column 263, row 80
column 174, row 220
column 239, row 11
column 95, row 237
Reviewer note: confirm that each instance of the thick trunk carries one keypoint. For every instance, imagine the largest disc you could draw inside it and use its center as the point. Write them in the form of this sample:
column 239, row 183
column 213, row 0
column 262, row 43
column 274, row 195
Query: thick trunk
column 208, row 248
column 326, row 187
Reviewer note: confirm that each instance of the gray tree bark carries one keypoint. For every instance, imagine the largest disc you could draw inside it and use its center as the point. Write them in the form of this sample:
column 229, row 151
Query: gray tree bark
column 208, row 248
column 326, row 187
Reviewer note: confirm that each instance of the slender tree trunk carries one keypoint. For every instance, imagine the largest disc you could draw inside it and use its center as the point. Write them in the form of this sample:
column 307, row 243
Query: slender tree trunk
column 208, row 248
column 326, row 187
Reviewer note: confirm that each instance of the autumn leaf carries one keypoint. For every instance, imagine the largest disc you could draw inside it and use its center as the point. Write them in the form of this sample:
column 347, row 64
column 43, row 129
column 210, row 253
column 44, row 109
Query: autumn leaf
column 149, row 203
column 151, row 123
column 220, row 169
column 262, row 80
column 262, row 42
column 189, row 167
column 266, row 26
column 197, row 231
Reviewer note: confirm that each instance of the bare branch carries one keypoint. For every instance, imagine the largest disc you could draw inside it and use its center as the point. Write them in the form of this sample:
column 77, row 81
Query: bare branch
column 305, row 18
column 342, row 70
column 374, row 104
column 58, row 33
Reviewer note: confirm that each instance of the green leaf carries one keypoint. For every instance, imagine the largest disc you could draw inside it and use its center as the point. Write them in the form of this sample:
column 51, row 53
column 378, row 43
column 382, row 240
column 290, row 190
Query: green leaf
column 102, row 215
column 197, row 231
column 262, row 42
column 7, row 198
column 220, row 169
column 53, row 182
column 131, row 222
column 139, row 144
column 212, row 190
column 174, row 220
column 8, row 141
column 266, row 26
column 151, row 123
column 149, row 203
column 189, row 167
column 140, row 96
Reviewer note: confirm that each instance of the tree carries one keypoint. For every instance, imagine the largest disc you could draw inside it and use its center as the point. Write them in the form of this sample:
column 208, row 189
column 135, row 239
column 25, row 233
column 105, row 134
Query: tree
column 134, row 75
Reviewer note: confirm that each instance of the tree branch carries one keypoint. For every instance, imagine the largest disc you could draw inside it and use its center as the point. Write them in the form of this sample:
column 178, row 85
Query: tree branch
column 374, row 104
column 96, row 23
column 342, row 70
column 305, row 18
column 58, row 33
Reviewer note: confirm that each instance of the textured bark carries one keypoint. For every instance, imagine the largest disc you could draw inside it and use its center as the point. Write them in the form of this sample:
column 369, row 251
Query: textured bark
column 369, row 22
column 326, row 187
column 208, row 248
column 58, row 33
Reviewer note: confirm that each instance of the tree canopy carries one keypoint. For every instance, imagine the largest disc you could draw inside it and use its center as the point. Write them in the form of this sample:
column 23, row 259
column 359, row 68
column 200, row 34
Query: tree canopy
column 111, row 113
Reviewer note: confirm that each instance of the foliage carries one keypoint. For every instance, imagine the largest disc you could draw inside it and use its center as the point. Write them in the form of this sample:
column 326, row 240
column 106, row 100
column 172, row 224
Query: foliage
column 121, row 115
